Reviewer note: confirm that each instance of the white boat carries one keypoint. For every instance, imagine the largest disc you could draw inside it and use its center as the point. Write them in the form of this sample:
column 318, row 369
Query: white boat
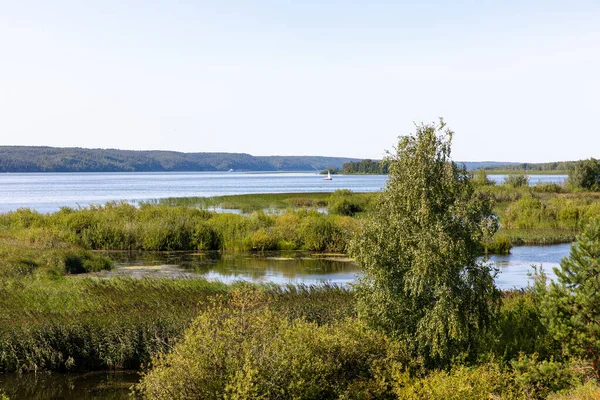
column 328, row 178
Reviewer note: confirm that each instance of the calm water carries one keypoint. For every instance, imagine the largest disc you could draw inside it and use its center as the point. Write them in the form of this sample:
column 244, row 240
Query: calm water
column 47, row 192
column 305, row 268
column 533, row 179
column 71, row 386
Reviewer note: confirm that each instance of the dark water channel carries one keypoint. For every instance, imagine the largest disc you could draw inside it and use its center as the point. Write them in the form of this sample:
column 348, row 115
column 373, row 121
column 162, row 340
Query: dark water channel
column 84, row 386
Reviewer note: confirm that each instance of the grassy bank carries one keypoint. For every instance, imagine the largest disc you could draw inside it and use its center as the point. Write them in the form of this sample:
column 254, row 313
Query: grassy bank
column 74, row 324
column 248, row 203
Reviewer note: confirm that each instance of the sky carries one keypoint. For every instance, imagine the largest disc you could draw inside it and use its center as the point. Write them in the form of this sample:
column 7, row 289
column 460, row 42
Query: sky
column 515, row 80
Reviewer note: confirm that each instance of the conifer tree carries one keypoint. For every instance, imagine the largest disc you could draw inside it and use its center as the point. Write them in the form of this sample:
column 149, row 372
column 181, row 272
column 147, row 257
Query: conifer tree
column 570, row 306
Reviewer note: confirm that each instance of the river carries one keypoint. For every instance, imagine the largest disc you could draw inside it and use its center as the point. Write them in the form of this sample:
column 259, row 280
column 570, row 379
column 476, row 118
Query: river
column 47, row 192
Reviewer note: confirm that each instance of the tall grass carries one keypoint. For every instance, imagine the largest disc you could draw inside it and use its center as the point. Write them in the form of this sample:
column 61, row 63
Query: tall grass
column 158, row 227
column 79, row 324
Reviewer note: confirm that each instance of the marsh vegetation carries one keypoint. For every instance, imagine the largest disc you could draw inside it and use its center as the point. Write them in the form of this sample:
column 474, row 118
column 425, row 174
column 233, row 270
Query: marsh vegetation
column 425, row 321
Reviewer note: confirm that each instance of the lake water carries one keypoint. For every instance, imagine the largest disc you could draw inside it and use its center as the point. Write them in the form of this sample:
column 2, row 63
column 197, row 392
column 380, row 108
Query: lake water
column 69, row 386
column 47, row 192
column 305, row 268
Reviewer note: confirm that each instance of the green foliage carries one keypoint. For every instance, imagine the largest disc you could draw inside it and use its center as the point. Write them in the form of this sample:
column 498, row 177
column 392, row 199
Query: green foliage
column 588, row 391
column 518, row 330
column 92, row 324
column 422, row 280
column 345, row 202
column 330, row 170
column 86, row 324
column 243, row 350
column 321, row 233
column 548, row 188
column 152, row 227
column 555, row 212
column 365, row 167
column 481, row 179
column 546, row 168
column 585, row 175
column 81, row 261
column 500, row 244
column 570, row 307
column 536, row 380
column 516, row 181
column 54, row 159
column 248, row 203
column 487, row 381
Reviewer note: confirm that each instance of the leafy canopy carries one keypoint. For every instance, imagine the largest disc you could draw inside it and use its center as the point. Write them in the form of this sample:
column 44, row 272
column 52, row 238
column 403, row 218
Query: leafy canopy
column 585, row 175
column 422, row 280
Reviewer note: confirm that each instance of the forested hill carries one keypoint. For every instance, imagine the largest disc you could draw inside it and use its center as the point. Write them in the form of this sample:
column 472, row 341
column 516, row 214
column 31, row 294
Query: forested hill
column 55, row 159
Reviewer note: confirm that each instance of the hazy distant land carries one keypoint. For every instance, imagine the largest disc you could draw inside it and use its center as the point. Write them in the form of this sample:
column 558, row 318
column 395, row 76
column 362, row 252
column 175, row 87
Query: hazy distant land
column 75, row 159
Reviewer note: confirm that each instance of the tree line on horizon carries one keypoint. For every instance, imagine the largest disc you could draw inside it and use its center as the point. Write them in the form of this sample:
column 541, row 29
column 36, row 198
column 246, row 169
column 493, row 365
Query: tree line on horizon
column 54, row 159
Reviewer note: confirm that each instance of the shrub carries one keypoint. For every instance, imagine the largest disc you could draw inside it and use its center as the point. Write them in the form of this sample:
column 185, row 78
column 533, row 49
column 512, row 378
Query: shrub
column 538, row 379
column 78, row 262
column 519, row 330
column 501, row 244
column 242, row 350
column 585, row 175
column 344, row 202
column 461, row 383
column 516, row 181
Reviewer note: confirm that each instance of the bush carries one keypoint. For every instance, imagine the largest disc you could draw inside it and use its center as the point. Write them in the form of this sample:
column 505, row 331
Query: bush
column 344, row 202
column 242, row 350
column 519, row 330
column 538, row 379
column 516, row 181
column 501, row 244
column 589, row 391
column 321, row 233
column 585, row 175
column 461, row 383
column 548, row 188
column 78, row 262
column 481, row 179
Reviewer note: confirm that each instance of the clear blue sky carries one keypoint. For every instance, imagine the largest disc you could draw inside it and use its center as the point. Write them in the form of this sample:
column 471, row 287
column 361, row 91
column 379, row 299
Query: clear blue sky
column 516, row 80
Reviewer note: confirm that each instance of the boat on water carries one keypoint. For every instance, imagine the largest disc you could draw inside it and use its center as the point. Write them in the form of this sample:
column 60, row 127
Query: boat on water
column 328, row 177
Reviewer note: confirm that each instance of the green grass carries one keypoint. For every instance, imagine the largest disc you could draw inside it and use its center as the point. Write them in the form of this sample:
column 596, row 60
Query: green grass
column 252, row 202
column 81, row 324
column 523, row 237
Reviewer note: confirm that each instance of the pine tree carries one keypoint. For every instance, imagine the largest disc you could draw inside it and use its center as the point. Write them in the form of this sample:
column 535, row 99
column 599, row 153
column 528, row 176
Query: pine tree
column 570, row 306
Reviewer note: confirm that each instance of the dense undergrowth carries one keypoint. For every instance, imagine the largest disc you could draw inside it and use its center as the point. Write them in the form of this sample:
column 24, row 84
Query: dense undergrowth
column 208, row 339
column 224, row 354
column 158, row 227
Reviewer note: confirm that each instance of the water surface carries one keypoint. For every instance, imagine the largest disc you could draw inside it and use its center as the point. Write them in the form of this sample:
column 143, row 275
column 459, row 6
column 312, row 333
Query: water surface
column 47, row 192
column 69, row 386
column 305, row 268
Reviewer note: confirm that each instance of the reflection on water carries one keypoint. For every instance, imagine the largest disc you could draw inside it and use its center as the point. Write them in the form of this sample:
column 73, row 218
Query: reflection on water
column 71, row 386
column 270, row 267
column 305, row 268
